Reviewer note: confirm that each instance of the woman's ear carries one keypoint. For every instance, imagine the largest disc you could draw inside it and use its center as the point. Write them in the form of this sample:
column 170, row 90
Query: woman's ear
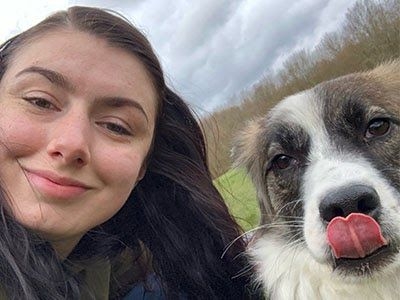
column 142, row 172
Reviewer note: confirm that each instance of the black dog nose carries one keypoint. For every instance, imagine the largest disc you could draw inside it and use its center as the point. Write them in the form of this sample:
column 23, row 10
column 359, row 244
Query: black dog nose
column 350, row 199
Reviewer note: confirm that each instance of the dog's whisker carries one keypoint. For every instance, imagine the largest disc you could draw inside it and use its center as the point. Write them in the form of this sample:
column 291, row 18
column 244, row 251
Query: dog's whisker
column 285, row 225
column 293, row 221
column 288, row 251
column 283, row 216
column 276, row 224
column 240, row 237
column 244, row 271
column 297, row 203
column 294, row 203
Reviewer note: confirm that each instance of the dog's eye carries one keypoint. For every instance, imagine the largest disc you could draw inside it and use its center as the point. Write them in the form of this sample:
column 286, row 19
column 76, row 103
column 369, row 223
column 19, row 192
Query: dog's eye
column 377, row 127
column 282, row 162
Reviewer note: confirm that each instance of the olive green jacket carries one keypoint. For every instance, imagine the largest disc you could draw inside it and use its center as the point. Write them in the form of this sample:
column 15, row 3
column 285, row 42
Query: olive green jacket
column 97, row 278
column 106, row 280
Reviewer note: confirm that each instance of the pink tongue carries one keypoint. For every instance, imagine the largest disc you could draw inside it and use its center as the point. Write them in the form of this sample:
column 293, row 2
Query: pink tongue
column 355, row 236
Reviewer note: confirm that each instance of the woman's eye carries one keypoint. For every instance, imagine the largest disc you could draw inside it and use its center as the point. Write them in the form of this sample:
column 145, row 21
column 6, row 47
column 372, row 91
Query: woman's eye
column 283, row 162
column 377, row 127
column 39, row 102
column 116, row 128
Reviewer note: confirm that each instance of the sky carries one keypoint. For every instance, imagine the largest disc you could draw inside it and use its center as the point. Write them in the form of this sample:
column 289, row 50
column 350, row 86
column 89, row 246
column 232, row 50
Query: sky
column 212, row 51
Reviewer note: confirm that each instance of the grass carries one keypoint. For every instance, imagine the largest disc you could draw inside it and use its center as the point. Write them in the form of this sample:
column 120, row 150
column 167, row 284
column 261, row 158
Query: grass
column 240, row 196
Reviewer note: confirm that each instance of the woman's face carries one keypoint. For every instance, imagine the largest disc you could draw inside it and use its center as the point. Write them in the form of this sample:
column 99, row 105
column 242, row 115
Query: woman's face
column 76, row 122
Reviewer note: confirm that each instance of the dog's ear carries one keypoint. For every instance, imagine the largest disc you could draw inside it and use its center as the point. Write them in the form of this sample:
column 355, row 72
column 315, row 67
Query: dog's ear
column 245, row 151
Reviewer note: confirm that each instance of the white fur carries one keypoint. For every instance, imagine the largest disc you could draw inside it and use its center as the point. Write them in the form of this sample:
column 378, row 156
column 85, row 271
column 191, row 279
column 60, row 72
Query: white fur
column 302, row 271
column 291, row 273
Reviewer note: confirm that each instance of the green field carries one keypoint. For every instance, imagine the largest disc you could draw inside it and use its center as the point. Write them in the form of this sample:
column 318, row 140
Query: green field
column 240, row 196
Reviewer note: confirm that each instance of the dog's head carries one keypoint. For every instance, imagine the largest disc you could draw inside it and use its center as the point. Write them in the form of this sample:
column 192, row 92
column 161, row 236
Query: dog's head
column 326, row 166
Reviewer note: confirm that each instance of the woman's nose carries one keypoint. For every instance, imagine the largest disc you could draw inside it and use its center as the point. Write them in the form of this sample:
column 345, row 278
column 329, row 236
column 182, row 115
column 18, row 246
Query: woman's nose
column 69, row 140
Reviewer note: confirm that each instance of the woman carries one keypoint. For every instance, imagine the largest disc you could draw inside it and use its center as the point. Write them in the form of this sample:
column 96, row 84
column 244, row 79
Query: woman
column 104, row 172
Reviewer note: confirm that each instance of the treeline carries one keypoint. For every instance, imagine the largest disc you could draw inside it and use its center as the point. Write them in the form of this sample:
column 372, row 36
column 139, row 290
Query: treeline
column 369, row 35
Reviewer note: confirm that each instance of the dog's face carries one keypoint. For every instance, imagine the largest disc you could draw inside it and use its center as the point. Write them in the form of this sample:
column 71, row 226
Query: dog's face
column 326, row 165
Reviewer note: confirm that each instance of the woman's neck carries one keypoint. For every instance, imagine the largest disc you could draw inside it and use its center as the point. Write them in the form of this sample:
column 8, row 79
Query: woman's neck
column 64, row 247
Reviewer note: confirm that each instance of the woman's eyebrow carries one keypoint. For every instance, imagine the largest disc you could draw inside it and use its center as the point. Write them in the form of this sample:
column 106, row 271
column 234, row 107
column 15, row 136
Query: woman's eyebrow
column 52, row 76
column 61, row 81
column 122, row 102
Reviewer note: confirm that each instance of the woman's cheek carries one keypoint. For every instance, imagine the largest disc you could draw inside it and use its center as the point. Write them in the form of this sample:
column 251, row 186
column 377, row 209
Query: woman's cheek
column 121, row 170
column 21, row 136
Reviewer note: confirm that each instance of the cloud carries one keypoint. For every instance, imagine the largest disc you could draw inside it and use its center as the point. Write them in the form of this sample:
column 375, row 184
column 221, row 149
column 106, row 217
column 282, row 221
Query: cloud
column 19, row 15
column 213, row 50
column 329, row 18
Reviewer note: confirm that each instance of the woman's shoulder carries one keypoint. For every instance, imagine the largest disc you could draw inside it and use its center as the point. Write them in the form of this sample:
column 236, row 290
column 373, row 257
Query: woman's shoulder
column 112, row 278
column 132, row 277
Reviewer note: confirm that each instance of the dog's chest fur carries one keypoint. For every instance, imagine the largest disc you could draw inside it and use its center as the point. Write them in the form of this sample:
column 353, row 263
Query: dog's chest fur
column 293, row 274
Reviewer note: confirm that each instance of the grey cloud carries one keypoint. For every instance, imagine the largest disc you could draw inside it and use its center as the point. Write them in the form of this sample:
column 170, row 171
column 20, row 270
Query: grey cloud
column 201, row 24
column 245, row 46
column 213, row 50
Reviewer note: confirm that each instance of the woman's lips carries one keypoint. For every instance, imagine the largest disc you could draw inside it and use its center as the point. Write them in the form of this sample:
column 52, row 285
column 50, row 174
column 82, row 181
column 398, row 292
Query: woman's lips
column 51, row 185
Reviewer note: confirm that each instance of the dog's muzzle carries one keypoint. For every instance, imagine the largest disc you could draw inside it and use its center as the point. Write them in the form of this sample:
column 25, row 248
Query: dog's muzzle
column 352, row 230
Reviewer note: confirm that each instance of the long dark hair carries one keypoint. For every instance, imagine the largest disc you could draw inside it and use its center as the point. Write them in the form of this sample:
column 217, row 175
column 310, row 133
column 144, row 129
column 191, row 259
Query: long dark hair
column 29, row 267
column 174, row 211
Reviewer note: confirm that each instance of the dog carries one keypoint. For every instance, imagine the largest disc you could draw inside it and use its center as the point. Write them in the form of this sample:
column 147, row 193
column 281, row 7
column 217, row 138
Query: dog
column 326, row 166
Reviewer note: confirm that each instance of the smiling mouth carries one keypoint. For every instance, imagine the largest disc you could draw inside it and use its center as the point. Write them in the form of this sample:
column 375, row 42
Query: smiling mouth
column 51, row 186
